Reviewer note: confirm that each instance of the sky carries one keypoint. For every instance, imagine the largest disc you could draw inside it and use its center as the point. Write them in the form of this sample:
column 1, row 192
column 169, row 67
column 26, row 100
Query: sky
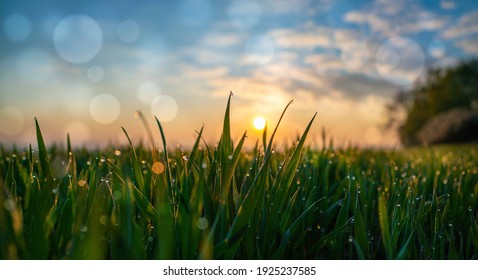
column 86, row 67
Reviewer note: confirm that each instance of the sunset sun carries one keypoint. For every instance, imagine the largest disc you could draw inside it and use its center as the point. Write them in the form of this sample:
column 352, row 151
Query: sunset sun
column 259, row 123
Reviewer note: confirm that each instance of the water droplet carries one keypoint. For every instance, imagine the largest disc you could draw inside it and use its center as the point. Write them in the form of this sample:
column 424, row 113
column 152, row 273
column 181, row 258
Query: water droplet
column 103, row 220
column 9, row 205
column 55, row 190
column 229, row 157
column 204, row 165
column 84, row 229
column 469, row 208
column 351, row 238
column 202, row 223
column 398, row 205
column 258, row 237
column 118, row 153
column 150, row 239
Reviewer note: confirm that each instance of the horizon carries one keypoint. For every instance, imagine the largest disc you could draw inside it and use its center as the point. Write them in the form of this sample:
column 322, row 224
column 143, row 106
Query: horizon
column 87, row 68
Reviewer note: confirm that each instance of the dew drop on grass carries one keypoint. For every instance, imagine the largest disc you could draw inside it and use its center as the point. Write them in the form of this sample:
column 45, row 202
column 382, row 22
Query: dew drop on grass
column 103, row 220
column 469, row 208
column 398, row 205
column 84, row 229
column 230, row 157
column 204, row 165
column 150, row 239
column 9, row 205
column 351, row 238
column 118, row 153
column 202, row 223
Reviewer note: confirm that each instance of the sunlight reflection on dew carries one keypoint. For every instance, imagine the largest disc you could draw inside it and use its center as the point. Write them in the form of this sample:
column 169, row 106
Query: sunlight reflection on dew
column 104, row 108
column 17, row 27
column 244, row 14
column 95, row 73
column 355, row 54
column 164, row 108
column 128, row 31
column 147, row 92
column 259, row 49
column 400, row 60
column 78, row 131
column 157, row 168
column 12, row 120
column 77, row 38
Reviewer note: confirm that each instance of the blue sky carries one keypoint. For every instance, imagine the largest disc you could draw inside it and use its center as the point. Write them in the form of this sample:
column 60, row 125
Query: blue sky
column 85, row 67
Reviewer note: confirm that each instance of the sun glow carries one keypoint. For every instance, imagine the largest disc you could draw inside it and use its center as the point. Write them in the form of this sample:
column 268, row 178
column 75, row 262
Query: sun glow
column 259, row 123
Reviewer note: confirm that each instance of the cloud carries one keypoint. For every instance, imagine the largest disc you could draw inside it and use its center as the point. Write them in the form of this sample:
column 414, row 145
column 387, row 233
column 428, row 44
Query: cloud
column 297, row 6
column 447, row 5
column 220, row 40
column 469, row 45
column 375, row 22
column 466, row 25
column 293, row 39
column 389, row 18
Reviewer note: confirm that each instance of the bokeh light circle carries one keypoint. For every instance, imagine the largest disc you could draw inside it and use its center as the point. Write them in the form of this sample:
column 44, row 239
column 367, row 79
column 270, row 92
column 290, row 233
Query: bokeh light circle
column 12, row 120
column 244, row 14
column 164, row 107
column 95, row 73
column 128, row 31
column 355, row 54
column 400, row 60
column 105, row 108
column 78, row 38
column 147, row 92
column 259, row 49
column 17, row 27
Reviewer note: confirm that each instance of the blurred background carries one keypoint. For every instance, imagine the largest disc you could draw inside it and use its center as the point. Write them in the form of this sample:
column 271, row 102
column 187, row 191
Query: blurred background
column 86, row 67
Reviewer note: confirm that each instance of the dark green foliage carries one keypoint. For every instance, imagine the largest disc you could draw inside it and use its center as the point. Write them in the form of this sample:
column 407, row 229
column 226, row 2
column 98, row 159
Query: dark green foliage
column 442, row 90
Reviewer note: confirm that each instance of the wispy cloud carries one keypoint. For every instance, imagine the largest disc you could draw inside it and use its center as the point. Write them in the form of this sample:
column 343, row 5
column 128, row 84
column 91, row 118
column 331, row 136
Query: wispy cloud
column 465, row 26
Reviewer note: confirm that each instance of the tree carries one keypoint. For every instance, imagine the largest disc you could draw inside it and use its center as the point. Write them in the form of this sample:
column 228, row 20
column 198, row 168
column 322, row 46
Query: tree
column 440, row 91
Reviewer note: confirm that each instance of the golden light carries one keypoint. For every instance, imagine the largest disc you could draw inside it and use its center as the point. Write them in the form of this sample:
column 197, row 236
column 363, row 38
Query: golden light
column 157, row 168
column 259, row 123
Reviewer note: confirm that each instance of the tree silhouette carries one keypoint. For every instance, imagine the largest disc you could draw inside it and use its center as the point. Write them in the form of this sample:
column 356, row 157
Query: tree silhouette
column 441, row 90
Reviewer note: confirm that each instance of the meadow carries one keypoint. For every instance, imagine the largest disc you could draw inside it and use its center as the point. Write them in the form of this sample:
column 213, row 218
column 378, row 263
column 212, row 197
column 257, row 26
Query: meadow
column 223, row 201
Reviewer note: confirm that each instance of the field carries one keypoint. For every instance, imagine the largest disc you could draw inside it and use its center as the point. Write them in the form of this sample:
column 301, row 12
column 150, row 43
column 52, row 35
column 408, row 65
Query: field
column 227, row 202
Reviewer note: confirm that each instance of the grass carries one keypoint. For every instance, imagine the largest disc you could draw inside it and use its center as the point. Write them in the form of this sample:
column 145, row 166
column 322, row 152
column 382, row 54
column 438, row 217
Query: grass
column 225, row 202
